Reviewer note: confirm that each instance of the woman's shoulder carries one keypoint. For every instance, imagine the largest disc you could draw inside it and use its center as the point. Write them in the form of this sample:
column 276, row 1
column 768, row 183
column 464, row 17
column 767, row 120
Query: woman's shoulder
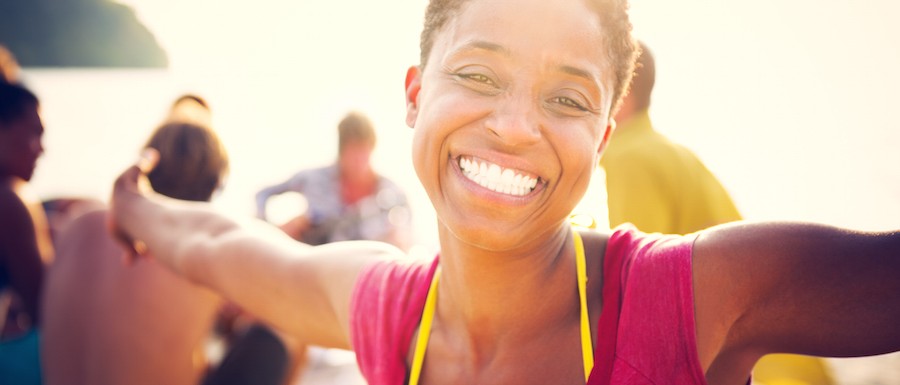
column 625, row 248
column 385, row 308
column 396, row 274
column 14, row 203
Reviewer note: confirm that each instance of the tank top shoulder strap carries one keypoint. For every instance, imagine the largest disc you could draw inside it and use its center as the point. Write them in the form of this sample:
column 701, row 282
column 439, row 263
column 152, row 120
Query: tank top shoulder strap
column 613, row 251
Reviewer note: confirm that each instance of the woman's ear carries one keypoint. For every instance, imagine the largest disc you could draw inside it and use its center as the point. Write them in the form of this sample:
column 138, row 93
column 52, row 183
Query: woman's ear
column 413, row 85
column 606, row 135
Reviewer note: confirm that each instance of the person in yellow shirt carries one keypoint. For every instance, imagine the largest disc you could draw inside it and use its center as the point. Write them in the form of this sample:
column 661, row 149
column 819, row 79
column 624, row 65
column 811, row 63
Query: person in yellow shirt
column 661, row 186
column 652, row 182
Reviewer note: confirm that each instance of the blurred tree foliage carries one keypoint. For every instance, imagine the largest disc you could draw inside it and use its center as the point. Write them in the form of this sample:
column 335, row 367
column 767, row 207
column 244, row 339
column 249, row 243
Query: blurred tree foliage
column 77, row 33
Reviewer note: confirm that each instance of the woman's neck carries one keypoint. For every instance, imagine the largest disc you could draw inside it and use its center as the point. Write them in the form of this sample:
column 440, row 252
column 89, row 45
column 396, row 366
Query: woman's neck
column 488, row 297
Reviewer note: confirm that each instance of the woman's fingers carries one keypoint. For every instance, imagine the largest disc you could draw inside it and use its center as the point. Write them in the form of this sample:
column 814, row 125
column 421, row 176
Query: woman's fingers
column 148, row 160
column 131, row 184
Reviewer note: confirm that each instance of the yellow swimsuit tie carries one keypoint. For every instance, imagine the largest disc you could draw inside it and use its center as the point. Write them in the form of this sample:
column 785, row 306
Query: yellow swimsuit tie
column 587, row 350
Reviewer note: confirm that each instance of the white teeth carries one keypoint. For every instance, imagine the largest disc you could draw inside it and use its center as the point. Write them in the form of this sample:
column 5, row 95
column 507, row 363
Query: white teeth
column 494, row 173
column 493, row 177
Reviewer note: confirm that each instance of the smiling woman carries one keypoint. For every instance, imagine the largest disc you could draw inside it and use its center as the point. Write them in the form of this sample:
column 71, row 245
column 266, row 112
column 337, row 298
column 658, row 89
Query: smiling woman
column 480, row 73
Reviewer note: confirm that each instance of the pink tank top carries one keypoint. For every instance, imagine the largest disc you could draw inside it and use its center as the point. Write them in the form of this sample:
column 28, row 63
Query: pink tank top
column 646, row 331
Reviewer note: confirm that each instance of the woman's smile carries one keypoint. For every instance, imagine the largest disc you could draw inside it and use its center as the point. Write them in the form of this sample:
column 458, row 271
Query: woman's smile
column 497, row 178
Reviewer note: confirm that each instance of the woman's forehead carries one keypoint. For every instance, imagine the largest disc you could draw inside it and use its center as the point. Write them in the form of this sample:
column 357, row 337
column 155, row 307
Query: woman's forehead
column 529, row 26
column 565, row 35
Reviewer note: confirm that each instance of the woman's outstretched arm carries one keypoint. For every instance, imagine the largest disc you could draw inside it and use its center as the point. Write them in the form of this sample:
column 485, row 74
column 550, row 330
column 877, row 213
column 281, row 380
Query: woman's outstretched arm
column 301, row 290
column 796, row 288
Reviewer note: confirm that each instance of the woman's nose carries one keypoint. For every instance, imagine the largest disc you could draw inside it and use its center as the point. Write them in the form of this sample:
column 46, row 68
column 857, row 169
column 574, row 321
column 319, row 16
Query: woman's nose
column 516, row 121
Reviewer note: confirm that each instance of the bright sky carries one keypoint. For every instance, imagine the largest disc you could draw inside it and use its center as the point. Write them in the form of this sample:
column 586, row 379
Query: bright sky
column 784, row 100
column 350, row 41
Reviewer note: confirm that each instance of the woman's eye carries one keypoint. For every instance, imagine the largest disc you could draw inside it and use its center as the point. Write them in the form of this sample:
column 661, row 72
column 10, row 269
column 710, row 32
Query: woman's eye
column 479, row 78
column 568, row 103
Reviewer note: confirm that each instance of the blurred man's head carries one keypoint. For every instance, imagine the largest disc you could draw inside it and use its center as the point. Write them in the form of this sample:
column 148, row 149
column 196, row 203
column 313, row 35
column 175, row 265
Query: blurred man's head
column 21, row 131
column 355, row 128
column 356, row 140
column 639, row 94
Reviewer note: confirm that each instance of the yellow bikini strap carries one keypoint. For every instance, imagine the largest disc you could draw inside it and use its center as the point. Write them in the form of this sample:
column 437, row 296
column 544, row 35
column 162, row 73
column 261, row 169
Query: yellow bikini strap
column 424, row 330
column 587, row 344
column 587, row 349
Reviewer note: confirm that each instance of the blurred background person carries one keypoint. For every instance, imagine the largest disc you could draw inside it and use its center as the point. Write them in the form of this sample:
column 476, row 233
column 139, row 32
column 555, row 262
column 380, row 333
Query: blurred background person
column 661, row 186
column 191, row 108
column 25, row 245
column 62, row 211
column 347, row 200
column 110, row 323
column 652, row 182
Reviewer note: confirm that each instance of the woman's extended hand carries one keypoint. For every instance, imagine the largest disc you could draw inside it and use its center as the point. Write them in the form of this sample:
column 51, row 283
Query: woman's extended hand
column 130, row 186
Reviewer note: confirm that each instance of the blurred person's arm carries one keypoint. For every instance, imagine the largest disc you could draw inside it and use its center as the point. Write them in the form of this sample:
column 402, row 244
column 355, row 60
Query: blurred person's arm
column 400, row 231
column 398, row 216
column 295, row 183
column 303, row 291
column 794, row 288
column 296, row 226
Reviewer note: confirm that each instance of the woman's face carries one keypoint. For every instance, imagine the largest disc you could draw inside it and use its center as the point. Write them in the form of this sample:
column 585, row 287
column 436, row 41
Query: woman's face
column 510, row 116
column 20, row 145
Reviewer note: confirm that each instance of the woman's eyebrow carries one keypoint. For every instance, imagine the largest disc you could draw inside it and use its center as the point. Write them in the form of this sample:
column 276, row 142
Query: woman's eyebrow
column 579, row 72
column 481, row 45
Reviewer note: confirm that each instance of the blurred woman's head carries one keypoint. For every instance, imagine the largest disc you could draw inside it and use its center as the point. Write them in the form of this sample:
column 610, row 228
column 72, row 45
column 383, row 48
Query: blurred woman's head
column 192, row 162
column 190, row 108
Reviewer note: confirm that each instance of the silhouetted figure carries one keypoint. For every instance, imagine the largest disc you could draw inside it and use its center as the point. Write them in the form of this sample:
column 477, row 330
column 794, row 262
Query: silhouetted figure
column 25, row 244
